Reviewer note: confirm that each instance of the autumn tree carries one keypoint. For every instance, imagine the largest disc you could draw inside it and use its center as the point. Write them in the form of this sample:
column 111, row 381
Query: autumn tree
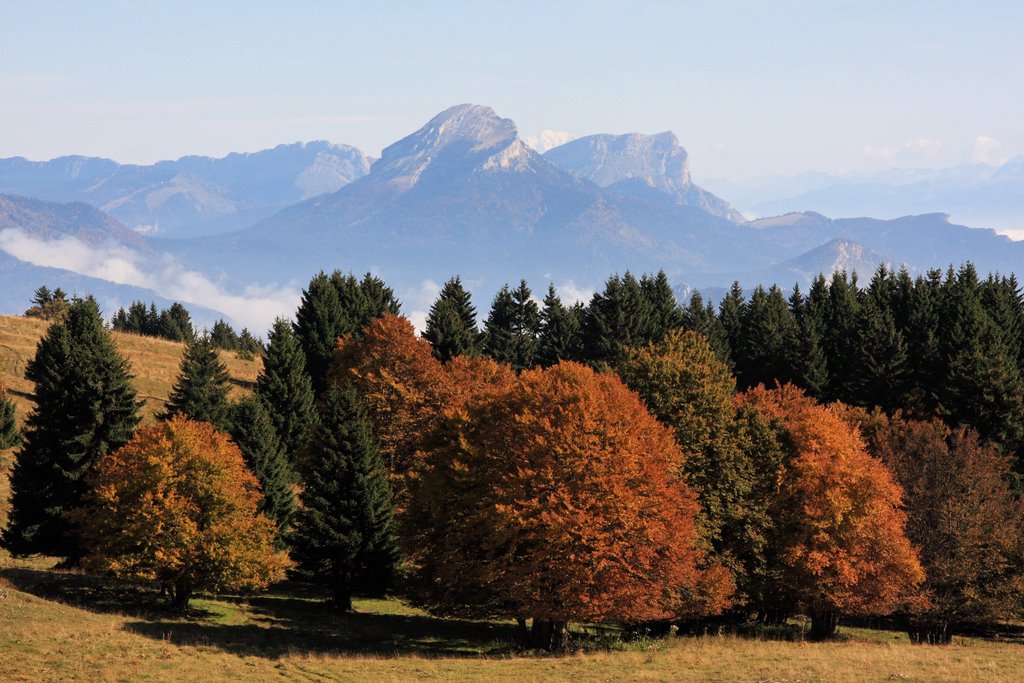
column 687, row 387
column 201, row 388
column 963, row 515
column 404, row 387
column 557, row 500
column 845, row 550
column 344, row 532
column 177, row 505
column 85, row 407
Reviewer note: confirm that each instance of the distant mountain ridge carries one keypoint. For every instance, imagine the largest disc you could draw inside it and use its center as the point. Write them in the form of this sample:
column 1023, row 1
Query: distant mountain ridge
column 193, row 195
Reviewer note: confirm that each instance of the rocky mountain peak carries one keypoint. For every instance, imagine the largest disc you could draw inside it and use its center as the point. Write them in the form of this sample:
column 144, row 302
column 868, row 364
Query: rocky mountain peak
column 657, row 160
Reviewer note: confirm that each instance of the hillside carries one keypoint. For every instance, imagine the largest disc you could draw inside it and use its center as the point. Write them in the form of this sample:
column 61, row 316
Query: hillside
column 154, row 363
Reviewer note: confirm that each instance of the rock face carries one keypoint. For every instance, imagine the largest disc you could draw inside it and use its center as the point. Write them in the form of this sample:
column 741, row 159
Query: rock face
column 639, row 164
column 193, row 195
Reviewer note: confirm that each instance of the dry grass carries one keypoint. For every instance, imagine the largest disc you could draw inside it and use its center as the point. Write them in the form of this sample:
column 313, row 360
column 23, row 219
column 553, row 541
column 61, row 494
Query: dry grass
column 154, row 363
column 43, row 640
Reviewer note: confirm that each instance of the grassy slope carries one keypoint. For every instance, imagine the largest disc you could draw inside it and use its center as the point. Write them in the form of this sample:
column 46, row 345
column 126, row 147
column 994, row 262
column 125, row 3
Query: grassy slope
column 154, row 363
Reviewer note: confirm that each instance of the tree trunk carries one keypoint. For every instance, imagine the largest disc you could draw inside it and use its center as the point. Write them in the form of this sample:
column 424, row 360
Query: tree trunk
column 181, row 594
column 823, row 624
column 930, row 633
column 549, row 635
column 522, row 632
column 341, row 598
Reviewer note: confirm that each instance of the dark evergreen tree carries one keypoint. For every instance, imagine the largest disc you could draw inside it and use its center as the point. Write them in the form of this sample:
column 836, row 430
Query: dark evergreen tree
column 769, row 347
column 42, row 296
column 560, row 335
column 700, row 317
column 248, row 344
column 10, row 435
column 840, row 338
column 319, row 323
column 344, row 531
column 451, row 325
column 511, row 330
column 254, row 434
column 378, row 299
column 810, row 367
column 284, row 387
column 176, row 324
column 881, row 352
column 201, row 389
column 618, row 317
column 223, row 336
column 730, row 316
column 665, row 313
column 85, row 407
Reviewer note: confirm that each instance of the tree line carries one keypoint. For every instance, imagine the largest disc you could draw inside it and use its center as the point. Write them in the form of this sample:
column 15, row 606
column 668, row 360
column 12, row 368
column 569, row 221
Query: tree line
column 628, row 460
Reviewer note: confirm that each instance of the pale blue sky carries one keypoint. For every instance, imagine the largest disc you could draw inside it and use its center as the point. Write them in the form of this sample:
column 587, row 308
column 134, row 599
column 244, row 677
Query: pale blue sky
column 749, row 87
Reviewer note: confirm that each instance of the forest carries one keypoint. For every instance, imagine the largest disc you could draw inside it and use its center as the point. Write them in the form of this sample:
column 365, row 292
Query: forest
column 848, row 453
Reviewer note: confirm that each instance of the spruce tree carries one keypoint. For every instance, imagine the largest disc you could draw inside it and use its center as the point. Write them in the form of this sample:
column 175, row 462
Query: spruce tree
column 511, row 329
column 176, row 324
column 809, row 363
column 881, row 356
column 730, row 316
column 378, row 299
column 665, row 314
column 840, row 338
column 201, row 389
column 253, row 433
column 451, row 325
column 285, row 389
column 223, row 336
column 619, row 317
column 344, row 531
column 319, row 323
column 85, row 407
column 769, row 347
column 10, row 435
column 701, row 318
column 560, row 335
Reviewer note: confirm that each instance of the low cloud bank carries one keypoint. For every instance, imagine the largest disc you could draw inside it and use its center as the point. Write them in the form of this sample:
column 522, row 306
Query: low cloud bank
column 255, row 307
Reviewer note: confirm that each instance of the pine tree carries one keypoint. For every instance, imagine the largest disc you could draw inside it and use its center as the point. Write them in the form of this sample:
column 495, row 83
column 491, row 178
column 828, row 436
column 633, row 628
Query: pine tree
column 665, row 314
column 223, row 336
column 344, row 530
column 248, row 343
column 451, row 325
column 201, row 389
column 881, row 359
column 840, row 339
column 617, row 318
column 769, row 345
column 176, row 324
column 10, row 435
column 319, row 323
column 85, row 407
column 253, row 433
column 285, row 388
column 511, row 329
column 730, row 317
column 560, row 334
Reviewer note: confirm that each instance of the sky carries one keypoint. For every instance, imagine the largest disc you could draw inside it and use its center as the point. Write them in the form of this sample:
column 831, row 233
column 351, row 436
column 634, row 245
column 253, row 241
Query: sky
column 750, row 88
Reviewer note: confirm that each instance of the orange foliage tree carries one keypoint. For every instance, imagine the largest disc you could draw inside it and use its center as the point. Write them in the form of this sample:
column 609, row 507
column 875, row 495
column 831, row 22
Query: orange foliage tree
column 176, row 504
column 844, row 546
column 403, row 386
column 962, row 513
column 557, row 499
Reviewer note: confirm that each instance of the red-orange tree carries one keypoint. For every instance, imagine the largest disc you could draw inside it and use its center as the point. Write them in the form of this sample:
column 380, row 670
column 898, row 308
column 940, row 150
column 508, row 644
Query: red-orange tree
column 404, row 388
column 844, row 546
column 176, row 504
column 557, row 499
column 963, row 515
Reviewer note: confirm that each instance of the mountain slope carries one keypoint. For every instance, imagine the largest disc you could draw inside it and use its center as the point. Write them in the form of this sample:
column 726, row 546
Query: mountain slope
column 639, row 164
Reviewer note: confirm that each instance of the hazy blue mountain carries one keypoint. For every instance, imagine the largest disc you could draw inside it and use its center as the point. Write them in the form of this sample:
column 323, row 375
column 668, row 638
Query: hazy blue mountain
column 193, row 195
column 975, row 194
column 639, row 164
column 36, row 235
column 466, row 194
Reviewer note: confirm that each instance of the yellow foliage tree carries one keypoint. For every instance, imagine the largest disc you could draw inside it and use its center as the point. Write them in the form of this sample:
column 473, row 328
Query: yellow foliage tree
column 177, row 505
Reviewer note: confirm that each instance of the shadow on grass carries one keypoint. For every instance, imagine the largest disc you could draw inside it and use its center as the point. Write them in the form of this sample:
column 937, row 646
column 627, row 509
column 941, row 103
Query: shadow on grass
column 294, row 619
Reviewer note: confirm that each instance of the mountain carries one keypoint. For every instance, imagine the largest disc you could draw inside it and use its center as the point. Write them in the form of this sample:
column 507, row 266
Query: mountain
column 193, row 195
column 639, row 164
column 465, row 194
column 976, row 194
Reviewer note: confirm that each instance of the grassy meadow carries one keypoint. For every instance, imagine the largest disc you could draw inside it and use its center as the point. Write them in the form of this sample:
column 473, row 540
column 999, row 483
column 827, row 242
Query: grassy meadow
column 57, row 625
